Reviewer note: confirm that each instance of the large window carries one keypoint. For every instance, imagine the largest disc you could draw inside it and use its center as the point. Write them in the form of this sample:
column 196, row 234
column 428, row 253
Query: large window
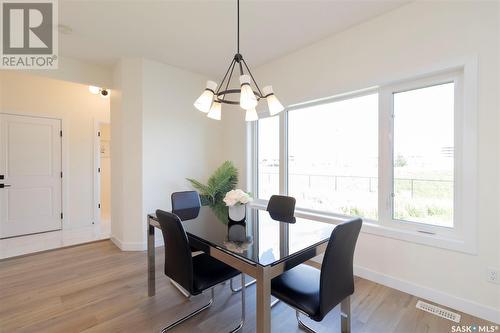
column 423, row 157
column 268, row 157
column 333, row 156
column 400, row 155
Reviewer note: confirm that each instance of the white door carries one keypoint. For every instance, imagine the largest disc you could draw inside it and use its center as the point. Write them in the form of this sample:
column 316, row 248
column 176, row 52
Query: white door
column 30, row 162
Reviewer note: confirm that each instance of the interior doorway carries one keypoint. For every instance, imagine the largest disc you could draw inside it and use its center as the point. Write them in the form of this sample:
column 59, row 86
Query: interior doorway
column 103, row 175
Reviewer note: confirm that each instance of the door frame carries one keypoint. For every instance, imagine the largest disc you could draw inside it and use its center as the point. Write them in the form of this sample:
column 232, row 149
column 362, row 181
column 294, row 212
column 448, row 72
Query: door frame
column 65, row 221
column 97, row 175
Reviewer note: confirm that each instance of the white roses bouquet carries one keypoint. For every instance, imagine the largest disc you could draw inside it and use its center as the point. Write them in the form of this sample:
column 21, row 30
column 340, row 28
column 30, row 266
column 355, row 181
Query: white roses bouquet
column 237, row 197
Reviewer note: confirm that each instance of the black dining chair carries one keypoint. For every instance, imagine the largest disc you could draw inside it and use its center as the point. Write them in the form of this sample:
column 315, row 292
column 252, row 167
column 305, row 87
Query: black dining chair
column 195, row 274
column 186, row 205
column 185, row 200
column 282, row 208
column 316, row 292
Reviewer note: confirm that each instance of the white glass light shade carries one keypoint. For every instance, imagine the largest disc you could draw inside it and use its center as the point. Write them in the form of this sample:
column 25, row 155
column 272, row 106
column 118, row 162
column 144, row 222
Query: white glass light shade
column 215, row 111
column 94, row 90
column 251, row 115
column 273, row 103
column 247, row 97
column 204, row 102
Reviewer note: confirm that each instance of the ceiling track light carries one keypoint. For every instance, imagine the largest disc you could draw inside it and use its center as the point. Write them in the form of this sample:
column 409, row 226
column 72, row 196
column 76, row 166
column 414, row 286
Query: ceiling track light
column 213, row 97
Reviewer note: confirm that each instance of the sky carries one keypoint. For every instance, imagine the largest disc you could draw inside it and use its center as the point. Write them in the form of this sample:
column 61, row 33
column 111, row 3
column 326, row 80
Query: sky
column 342, row 137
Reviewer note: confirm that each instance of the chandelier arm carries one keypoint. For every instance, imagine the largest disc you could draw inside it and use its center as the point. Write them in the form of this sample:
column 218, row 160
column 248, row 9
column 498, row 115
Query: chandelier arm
column 228, row 79
column 229, row 92
column 255, row 82
column 225, row 75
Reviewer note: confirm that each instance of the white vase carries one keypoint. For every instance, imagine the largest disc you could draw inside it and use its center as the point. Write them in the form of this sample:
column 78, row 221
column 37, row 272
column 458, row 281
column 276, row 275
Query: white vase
column 237, row 212
column 237, row 224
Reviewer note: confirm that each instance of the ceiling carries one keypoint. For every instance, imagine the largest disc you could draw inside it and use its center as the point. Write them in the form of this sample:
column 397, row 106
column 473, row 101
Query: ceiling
column 201, row 35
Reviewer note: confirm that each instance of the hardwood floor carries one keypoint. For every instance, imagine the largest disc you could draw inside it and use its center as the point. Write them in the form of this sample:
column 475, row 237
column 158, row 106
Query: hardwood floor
column 97, row 288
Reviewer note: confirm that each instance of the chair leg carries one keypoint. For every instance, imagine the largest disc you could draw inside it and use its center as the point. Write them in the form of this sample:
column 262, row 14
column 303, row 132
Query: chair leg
column 303, row 326
column 237, row 290
column 242, row 288
column 273, row 303
column 191, row 315
column 345, row 315
column 182, row 290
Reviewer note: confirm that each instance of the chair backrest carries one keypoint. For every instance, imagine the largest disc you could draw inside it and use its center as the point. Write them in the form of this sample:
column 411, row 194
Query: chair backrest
column 281, row 206
column 337, row 279
column 185, row 200
column 178, row 259
column 187, row 214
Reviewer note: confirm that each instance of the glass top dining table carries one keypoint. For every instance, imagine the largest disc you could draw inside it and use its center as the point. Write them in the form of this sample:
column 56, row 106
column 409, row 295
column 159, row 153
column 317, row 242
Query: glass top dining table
column 272, row 245
column 269, row 240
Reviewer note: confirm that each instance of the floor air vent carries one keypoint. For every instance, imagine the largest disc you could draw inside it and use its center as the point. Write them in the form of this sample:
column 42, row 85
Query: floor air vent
column 440, row 312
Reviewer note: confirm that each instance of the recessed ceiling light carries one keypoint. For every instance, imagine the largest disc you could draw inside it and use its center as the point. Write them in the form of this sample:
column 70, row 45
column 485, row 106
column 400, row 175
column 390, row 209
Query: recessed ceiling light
column 64, row 29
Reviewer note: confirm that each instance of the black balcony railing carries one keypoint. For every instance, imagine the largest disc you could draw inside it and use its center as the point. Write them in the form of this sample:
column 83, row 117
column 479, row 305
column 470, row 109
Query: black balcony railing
column 401, row 184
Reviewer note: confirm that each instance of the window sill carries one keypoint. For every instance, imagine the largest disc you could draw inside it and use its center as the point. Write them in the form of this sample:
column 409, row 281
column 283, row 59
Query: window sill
column 466, row 245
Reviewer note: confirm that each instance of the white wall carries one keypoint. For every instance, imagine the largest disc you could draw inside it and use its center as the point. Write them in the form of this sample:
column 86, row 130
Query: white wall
column 233, row 140
column 178, row 140
column 158, row 139
column 391, row 47
column 126, row 155
column 79, row 72
column 25, row 94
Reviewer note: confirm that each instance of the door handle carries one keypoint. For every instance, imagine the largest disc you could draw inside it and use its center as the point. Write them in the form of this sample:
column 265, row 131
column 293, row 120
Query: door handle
column 4, row 185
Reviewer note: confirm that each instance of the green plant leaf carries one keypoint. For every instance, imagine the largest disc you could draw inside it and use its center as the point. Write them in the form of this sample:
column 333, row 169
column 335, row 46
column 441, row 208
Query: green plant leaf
column 225, row 185
column 226, row 173
column 205, row 200
column 223, row 180
column 199, row 186
column 221, row 212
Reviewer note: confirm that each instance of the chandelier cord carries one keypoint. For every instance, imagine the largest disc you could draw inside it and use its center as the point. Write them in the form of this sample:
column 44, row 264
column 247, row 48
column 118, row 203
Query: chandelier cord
column 238, row 24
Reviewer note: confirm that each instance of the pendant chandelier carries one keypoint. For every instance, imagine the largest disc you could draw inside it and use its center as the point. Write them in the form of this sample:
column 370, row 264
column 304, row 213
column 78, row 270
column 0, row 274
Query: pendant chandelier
column 250, row 94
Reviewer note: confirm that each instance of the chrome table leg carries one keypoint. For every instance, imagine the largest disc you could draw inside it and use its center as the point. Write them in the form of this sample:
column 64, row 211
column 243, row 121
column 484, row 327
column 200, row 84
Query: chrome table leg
column 345, row 315
column 263, row 300
column 248, row 284
column 151, row 260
